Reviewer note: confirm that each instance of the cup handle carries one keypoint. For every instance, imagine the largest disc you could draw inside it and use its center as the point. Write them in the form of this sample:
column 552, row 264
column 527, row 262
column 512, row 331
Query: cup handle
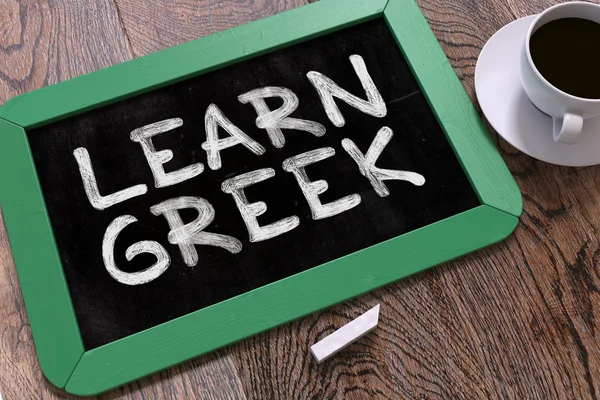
column 568, row 128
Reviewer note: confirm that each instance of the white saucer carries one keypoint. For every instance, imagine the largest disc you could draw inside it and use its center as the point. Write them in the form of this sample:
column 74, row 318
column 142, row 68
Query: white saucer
column 513, row 116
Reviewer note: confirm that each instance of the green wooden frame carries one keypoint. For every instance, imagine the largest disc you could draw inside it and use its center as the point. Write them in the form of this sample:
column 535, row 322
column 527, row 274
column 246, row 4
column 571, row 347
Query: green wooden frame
column 59, row 346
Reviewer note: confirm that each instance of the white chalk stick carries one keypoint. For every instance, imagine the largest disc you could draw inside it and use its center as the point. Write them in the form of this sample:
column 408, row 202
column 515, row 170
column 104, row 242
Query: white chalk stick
column 346, row 335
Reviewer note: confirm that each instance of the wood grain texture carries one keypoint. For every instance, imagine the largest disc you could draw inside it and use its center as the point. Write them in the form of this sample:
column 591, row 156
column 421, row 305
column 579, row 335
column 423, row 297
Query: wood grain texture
column 154, row 25
column 517, row 320
column 44, row 42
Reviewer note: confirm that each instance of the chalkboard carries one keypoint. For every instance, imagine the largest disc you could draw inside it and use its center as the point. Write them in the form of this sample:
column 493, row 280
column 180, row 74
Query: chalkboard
column 108, row 310
column 210, row 189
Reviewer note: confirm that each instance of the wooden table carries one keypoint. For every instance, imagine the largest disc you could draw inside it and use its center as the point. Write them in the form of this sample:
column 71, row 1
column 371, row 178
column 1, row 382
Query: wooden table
column 517, row 320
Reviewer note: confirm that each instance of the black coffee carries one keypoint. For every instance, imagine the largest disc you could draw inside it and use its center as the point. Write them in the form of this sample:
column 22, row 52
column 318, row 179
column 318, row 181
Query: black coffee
column 567, row 53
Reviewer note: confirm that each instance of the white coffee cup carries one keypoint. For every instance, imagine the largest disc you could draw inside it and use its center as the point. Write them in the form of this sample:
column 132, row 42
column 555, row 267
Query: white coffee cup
column 567, row 111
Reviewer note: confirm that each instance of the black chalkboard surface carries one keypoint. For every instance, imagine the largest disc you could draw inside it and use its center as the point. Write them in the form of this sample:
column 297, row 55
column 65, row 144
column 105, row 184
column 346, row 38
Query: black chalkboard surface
column 108, row 310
